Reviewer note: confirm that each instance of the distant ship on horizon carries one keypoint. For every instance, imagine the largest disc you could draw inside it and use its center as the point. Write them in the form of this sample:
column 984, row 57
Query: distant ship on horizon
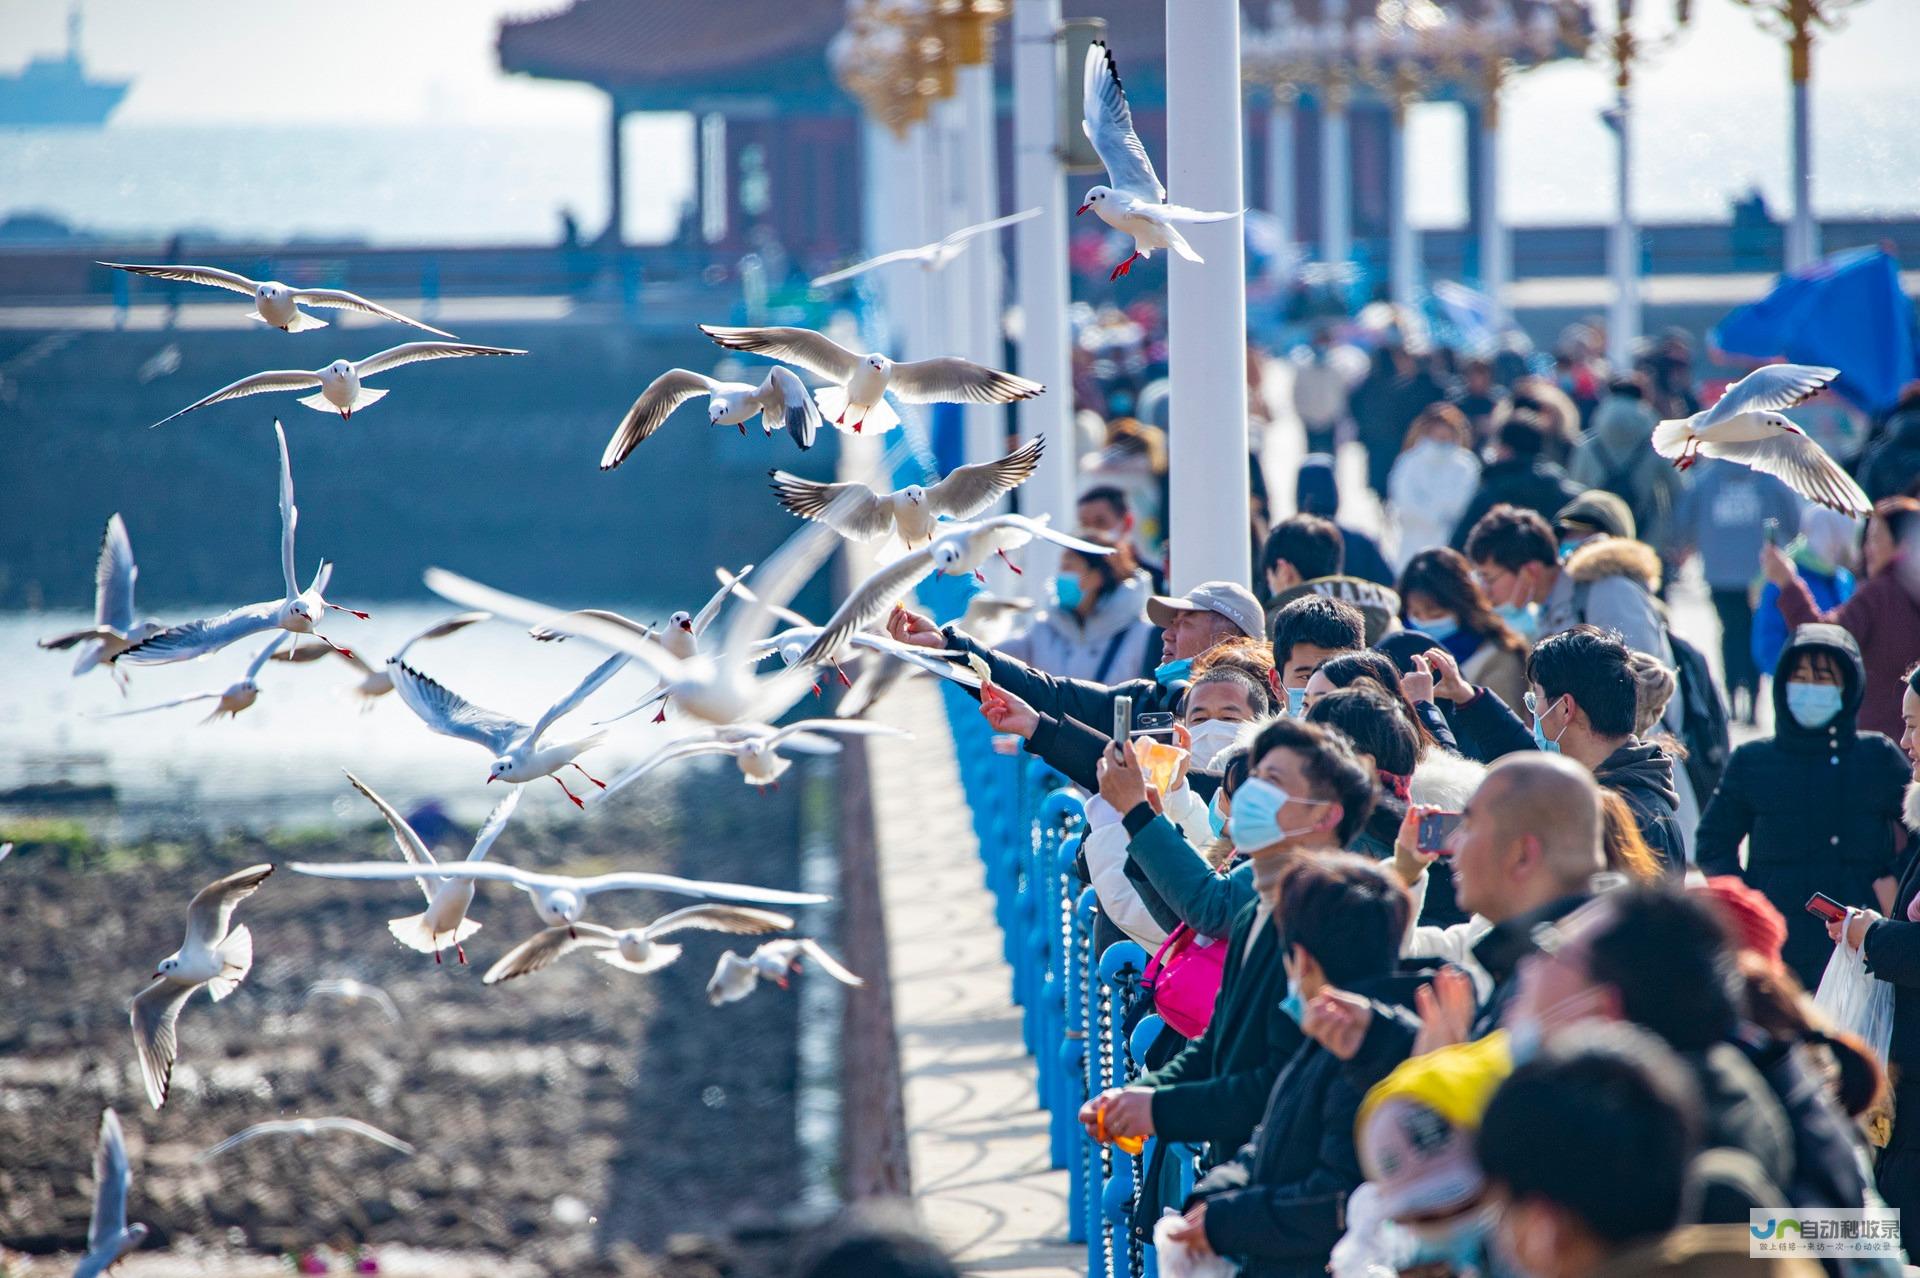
column 57, row 90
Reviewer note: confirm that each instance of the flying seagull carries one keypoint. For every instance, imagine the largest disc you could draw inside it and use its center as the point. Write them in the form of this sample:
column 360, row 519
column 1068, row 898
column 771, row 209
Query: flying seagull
column 1133, row 200
column 376, row 683
column 305, row 1127
column 275, row 303
column 339, row 389
column 634, row 949
column 735, row 977
column 1745, row 426
column 913, row 511
column 230, row 700
column 114, row 630
column 781, row 400
column 931, row 257
column 109, row 1236
column 755, row 747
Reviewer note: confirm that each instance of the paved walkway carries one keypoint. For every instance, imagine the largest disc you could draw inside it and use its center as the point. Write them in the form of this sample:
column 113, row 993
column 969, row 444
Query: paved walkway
column 976, row 1138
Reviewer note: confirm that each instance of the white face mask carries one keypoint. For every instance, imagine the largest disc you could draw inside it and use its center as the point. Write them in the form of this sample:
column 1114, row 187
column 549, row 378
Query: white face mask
column 1210, row 740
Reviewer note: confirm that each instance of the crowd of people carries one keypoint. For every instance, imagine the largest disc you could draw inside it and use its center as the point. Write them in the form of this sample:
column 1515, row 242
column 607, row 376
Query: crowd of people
column 1479, row 946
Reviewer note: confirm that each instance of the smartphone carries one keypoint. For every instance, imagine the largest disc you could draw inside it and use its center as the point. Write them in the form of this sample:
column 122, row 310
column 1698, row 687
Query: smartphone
column 1157, row 723
column 1122, row 717
column 1770, row 528
column 1826, row 907
column 1435, row 829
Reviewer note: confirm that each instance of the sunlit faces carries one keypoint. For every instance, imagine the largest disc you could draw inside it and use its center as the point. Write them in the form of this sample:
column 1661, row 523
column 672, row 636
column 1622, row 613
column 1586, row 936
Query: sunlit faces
column 1483, row 852
column 1910, row 734
column 1100, row 520
column 1302, row 812
column 1506, row 587
column 1224, row 701
column 1424, row 612
column 1818, row 667
column 1302, row 661
column 1192, row 633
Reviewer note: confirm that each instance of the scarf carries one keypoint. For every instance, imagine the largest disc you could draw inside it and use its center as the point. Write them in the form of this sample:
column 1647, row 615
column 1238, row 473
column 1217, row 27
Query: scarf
column 1393, row 783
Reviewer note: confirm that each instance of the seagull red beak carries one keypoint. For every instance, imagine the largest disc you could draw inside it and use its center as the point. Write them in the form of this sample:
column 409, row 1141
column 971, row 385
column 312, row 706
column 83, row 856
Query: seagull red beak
column 1082, row 209
column 492, row 779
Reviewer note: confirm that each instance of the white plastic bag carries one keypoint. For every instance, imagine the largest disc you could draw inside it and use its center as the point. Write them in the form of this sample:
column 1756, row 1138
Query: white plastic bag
column 1373, row 1246
column 1854, row 999
column 1177, row 1260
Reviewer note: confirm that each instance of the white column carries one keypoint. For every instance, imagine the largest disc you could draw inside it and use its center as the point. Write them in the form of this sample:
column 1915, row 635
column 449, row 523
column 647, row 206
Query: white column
column 883, row 156
column 1207, row 302
column 1336, row 211
column 1039, row 181
column 907, row 187
column 1403, row 258
column 1803, row 233
column 1280, row 186
column 1623, row 244
column 986, row 423
column 1496, row 268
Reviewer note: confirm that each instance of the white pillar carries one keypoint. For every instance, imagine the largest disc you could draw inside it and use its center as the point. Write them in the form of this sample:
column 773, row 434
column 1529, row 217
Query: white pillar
column 1403, row 258
column 986, row 423
column 883, row 156
column 907, row 187
column 1207, row 301
column 1280, row 186
column 1496, row 267
column 1039, row 181
column 1803, row 233
column 1623, row 245
column 1336, row 211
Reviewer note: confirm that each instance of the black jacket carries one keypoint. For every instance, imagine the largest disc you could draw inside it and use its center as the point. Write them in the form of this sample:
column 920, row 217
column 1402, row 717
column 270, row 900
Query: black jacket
column 1090, row 703
column 1892, row 948
column 1527, row 482
column 1642, row 773
column 1890, row 464
column 1280, row 1205
column 1216, row 1089
column 1742, row 1113
column 1819, row 808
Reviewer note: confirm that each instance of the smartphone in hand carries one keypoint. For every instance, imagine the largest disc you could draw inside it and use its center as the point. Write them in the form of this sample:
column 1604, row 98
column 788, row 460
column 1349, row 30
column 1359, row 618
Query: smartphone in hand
column 1157, row 724
column 1122, row 718
column 1826, row 907
column 1435, row 829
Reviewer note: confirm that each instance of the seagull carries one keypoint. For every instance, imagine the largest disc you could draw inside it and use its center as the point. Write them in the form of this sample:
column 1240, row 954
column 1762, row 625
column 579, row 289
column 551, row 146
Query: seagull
column 304, row 1127
column 114, row 630
column 735, row 977
column 109, row 1236
column 298, row 612
column 339, row 382
column 1745, row 426
column 376, row 683
column 1133, row 200
column 275, row 303
column 634, row 949
column 913, row 511
column 960, row 548
column 211, row 956
column 449, row 899
column 755, row 747
column 719, row 688
column 560, row 899
column 931, row 257
column 780, row 398
column 348, row 990
column 6, row 850
column 517, row 754
column 860, row 382
column 230, row 701
column 989, row 618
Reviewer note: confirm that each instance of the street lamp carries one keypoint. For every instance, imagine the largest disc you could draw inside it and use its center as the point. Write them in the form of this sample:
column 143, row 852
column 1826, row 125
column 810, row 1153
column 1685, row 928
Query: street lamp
column 1795, row 20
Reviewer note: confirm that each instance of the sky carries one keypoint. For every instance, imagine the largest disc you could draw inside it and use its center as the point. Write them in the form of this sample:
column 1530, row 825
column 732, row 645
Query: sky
column 1711, row 110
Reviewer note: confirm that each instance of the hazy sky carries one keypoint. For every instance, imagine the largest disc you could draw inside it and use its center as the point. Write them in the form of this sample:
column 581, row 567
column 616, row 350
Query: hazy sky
column 1712, row 111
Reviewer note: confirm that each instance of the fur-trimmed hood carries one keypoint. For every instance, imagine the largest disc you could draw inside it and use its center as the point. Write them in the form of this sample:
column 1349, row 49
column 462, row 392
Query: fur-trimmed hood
column 1615, row 557
column 1443, row 779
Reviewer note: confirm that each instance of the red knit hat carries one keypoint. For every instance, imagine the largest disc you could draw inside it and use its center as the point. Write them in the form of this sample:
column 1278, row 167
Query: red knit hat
column 1756, row 924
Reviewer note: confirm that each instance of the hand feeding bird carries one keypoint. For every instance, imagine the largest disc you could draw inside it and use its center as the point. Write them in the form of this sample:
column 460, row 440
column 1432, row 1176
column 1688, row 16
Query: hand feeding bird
column 858, row 512
column 211, row 956
column 930, row 257
column 1133, row 200
column 755, row 747
column 378, row 682
column 518, row 754
column 735, row 977
column 340, row 390
column 109, row 1236
column 444, row 922
column 560, row 899
column 230, row 700
column 299, row 612
column 305, row 1127
column 857, row 397
column 1745, row 426
column 780, row 398
column 276, row 304
column 634, row 949
column 114, row 630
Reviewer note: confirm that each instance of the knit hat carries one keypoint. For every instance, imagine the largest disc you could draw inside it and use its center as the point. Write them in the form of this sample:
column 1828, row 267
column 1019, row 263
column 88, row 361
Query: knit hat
column 1597, row 511
column 1756, row 924
column 1415, row 1130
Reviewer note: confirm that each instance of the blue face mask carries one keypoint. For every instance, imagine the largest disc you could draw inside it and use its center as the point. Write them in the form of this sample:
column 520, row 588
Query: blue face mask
column 1444, row 627
column 1255, row 823
column 1292, row 1004
column 1550, row 744
column 1461, row 1246
column 1813, row 705
column 1524, row 618
column 1296, row 701
column 1567, row 548
column 1215, row 821
column 1168, row 673
column 1066, row 588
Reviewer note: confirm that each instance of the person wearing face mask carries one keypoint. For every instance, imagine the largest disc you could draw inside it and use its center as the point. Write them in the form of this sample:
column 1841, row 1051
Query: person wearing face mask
column 1306, row 796
column 1433, row 479
column 1307, row 632
column 1279, row 1206
column 1609, row 1097
column 1095, row 628
column 1441, row 599
column 1841, row 845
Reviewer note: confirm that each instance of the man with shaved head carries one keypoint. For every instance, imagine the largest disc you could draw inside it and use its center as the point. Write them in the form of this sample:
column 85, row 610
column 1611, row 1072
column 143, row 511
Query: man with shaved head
column 1527, row 846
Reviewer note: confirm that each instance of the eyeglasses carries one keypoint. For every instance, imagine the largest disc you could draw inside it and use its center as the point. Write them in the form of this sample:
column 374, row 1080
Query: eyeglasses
column 1533, row 705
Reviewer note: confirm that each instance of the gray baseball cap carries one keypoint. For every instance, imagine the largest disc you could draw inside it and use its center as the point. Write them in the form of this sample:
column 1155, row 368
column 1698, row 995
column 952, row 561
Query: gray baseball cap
column 1229, row 599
